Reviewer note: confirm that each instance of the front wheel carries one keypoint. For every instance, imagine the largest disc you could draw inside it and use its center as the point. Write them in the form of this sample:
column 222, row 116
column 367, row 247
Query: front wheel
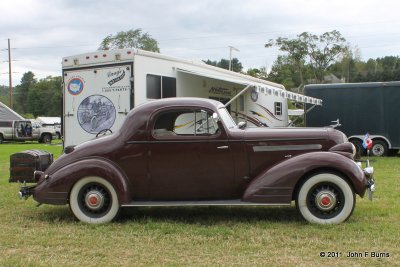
column 325, row 198
column 94, row 200
column 46, row 139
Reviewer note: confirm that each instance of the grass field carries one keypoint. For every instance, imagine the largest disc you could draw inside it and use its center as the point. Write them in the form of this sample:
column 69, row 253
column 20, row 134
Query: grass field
column 50, row 236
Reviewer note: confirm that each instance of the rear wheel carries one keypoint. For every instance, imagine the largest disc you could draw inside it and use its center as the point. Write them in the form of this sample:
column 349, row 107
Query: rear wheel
column 325, row 198
column 94, row 200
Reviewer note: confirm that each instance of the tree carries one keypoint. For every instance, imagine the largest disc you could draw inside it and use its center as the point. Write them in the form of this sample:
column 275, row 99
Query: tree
column 224, row 64
column 317, row 51
column 22, row 91
column 284, row 72
column 260, row 73
column 44, row 97
column 296, row 52
column 4, row 94
column 324, row 50
column 130, row 39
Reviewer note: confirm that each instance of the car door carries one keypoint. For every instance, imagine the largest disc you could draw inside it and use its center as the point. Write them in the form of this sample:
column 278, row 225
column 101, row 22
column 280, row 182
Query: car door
column 189, row 157
column 35, row 130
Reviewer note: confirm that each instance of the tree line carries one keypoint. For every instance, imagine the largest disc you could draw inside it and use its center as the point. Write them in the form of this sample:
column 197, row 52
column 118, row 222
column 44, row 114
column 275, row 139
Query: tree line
column 33, row 98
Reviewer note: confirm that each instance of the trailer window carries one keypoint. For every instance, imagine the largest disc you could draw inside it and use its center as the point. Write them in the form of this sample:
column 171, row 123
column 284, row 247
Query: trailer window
column 160, row 86
column 278, row 108
column 241, row 103
column 168, row 87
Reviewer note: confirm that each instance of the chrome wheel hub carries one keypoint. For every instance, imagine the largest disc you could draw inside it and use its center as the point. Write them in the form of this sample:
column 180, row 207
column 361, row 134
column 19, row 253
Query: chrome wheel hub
column 94, row 200
column 377, row 150
column 325, row 200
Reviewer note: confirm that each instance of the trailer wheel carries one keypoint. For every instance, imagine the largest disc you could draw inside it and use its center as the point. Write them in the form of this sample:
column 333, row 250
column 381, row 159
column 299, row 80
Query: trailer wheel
column 379, row 148
column 325, row 198
column 94, row 200
column 360, row 151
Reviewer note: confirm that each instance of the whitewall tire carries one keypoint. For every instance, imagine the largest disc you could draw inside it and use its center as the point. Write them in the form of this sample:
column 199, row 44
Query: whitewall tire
column 325, row 198
column 94, row 200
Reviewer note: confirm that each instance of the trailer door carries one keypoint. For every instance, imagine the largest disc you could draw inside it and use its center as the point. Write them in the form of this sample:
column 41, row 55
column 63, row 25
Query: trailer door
column 95, row 99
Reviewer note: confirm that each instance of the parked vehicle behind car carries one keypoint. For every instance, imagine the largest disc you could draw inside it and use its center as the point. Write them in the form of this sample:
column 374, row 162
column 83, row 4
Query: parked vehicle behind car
column 189, row 151
column 25, row 130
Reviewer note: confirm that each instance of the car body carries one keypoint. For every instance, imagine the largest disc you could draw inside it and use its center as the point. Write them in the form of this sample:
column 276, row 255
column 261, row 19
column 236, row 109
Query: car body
column 189, row 151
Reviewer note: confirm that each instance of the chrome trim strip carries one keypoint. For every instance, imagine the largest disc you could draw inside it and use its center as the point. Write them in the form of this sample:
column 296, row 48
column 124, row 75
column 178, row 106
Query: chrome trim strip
column 198, row 203
column 286, row 148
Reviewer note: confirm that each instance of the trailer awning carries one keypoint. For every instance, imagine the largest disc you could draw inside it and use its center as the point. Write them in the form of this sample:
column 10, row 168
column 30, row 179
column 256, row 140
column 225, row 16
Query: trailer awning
column 269, row 89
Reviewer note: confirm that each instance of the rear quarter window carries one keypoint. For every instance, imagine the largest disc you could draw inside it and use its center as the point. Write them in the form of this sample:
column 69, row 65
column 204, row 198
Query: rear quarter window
column 5, row 123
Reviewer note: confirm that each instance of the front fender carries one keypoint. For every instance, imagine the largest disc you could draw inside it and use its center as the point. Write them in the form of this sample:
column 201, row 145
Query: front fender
column 276, row 185
column 55, row 188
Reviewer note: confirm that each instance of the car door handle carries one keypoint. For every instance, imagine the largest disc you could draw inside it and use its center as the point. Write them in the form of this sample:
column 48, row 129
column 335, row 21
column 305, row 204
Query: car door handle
column 223, row 147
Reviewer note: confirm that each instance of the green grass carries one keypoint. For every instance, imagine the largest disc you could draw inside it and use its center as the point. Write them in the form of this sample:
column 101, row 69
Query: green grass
column 255, row 236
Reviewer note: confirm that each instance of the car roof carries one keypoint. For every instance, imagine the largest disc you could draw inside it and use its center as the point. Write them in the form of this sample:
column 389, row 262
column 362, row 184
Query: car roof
column 181, row 101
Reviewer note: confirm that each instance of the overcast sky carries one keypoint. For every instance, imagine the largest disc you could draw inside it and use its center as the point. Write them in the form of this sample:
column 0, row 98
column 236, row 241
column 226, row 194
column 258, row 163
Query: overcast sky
column 44, row 31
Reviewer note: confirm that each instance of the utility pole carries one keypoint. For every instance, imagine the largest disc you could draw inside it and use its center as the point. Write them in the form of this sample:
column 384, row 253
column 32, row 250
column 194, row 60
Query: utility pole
column 9, row 72
column 230, row 55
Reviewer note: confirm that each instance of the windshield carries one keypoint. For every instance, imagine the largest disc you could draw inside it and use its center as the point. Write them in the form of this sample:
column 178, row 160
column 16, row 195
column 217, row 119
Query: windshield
column 226, row 118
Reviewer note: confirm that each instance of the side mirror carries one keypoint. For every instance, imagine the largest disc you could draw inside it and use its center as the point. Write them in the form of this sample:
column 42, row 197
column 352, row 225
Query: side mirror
column 215, row 117
column 242, row 125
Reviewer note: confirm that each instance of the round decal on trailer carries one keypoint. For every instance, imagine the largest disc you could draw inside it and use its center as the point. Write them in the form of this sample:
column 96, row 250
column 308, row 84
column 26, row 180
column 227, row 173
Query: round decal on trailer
column 96, row 113
column 254, row 95
column 75, row 86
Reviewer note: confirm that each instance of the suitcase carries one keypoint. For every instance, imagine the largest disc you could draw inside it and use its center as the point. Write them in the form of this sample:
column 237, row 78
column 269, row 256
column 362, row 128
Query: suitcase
column 24, row 164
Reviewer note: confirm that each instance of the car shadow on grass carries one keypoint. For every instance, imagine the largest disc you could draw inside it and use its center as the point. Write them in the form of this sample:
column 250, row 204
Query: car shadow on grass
column 210, row 215
column 184, row 215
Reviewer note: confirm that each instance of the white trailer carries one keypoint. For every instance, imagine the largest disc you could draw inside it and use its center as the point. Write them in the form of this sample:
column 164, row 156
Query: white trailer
column 100, row 88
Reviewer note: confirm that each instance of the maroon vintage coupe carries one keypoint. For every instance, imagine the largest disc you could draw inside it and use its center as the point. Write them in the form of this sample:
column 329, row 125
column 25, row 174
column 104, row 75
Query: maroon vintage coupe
column 189, row 151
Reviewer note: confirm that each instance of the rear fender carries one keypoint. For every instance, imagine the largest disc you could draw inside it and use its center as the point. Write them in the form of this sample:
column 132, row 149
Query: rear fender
column 277, row 184
column 55, row 189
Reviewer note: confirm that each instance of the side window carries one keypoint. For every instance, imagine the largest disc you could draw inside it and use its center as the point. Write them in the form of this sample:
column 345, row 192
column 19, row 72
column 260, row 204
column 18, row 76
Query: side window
column 185, row 123
column 5, row 123
column 160, row 86
column 278, row 108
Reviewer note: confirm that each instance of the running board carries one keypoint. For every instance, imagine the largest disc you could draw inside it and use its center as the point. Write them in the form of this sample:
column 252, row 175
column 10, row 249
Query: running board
column 235, row 202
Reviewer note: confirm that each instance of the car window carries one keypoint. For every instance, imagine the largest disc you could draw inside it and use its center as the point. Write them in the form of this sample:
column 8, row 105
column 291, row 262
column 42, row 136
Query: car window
column 185, row 123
